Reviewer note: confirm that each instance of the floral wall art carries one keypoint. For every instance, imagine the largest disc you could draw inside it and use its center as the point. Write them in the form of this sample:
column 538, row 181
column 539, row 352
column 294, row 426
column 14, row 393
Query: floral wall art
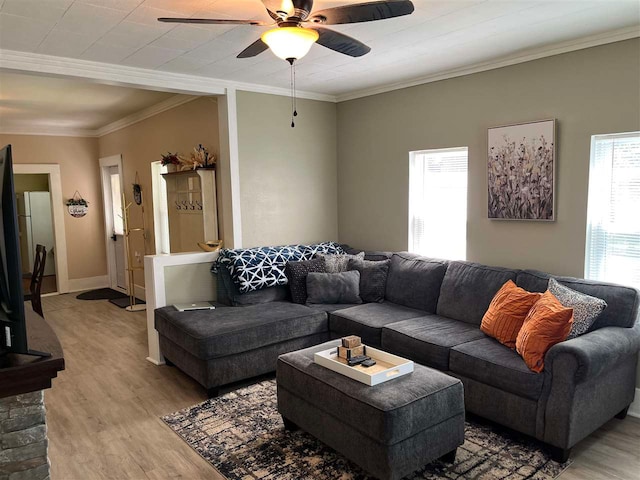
column 521, row 168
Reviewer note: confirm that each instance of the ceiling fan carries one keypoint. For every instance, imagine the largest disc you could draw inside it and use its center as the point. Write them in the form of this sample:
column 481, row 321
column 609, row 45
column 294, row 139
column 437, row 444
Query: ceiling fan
column 298, row 27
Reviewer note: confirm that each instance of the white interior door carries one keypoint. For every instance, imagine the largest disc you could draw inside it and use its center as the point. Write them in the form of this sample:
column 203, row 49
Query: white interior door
column 114, row 226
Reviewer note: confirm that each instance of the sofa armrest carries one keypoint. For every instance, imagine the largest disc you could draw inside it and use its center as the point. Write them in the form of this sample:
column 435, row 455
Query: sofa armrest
column 596, row 352
column 588, row 380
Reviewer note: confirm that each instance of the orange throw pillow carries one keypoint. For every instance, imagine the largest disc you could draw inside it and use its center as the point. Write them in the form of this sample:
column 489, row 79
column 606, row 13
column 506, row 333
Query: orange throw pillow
column 507, row 312
column 548, row 323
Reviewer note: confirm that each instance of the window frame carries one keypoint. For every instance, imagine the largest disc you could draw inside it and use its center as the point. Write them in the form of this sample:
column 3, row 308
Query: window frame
column 412, row 157
column 594, row 184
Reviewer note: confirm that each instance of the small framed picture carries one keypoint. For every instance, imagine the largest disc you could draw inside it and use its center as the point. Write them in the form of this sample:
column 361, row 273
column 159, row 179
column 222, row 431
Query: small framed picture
column 521, row 171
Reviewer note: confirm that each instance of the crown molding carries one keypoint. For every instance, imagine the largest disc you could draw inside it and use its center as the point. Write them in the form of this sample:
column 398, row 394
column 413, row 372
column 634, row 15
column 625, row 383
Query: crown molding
column 36, row 63
column 148, row 112
column 522, row 57
column 110, row 74
column 48, row 131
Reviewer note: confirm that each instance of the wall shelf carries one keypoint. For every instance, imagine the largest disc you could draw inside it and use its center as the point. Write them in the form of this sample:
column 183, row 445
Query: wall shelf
column 192, row 208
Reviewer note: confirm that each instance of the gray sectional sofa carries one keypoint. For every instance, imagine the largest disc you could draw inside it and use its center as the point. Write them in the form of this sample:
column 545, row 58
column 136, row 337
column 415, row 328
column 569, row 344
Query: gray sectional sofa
column 431, row 314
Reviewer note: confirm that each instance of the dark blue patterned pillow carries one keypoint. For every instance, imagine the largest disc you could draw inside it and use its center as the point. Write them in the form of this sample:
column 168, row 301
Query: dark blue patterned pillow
column 261, row 267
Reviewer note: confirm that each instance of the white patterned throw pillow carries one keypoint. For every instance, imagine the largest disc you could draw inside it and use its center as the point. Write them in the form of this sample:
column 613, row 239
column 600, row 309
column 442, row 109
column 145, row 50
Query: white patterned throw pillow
column 586, row 309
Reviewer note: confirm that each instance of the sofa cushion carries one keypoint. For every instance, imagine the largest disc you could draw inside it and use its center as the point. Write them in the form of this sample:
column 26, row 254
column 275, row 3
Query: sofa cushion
column 414, row 281
column 468, row 288
column 428, row 340
column 331, row 307
column 341, row 287
column 506, row 313
column 622, row 302
column 373, row 278
column 372, row 255
column 547, row 323
column 297, row 274
column 339, row 263
column 209, row 334
column 367, row 320
column 488, row 361
column 586, row 309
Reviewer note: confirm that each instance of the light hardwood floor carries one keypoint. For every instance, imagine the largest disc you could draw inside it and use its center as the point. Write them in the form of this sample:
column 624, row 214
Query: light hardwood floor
column 104, row 410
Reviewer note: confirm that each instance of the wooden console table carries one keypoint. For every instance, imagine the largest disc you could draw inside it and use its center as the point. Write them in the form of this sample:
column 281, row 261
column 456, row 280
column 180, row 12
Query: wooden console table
column 23, row 373
column 24, row 446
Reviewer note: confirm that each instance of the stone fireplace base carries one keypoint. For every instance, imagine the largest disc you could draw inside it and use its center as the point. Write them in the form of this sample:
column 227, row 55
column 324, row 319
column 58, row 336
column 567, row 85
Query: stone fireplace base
column 23, row 438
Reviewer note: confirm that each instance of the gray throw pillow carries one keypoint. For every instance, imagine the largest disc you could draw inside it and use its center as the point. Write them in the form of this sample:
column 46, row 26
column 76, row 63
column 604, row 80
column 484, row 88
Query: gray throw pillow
column 297, row 276
column 586, row 309
column 343, row 287
column 373, row 278
column 338, row 263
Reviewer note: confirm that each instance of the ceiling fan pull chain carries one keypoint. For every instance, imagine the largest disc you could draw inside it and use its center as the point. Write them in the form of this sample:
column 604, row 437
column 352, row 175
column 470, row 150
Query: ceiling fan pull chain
column 295, row 96
column 292, row 83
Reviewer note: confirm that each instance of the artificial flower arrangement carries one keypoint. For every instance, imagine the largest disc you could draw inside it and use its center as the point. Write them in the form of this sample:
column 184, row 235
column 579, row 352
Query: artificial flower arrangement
column 199, row 158
column 171, row 159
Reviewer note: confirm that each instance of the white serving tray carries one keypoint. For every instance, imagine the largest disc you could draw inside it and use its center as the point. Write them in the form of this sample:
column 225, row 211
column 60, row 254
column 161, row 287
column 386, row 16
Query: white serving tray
column 387, row 366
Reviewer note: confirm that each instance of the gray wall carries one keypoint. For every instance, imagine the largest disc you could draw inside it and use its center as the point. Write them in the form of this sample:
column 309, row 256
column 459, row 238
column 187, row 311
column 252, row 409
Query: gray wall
column 288, row 176
column 589, row 92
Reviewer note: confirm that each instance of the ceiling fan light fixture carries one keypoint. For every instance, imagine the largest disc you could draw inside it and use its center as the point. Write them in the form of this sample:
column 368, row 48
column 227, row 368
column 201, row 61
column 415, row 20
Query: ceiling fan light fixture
column 290, row 42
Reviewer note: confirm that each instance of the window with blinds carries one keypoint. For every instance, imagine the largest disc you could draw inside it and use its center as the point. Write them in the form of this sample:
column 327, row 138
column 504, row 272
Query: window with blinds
column 613, row 213
column 438, row 203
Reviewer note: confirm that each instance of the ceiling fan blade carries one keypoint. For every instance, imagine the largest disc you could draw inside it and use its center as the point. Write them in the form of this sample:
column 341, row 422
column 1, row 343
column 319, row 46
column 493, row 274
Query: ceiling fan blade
column 363, row 12
column 274, row 15
column 212, row 21
column 340, row 42
column 256, row 48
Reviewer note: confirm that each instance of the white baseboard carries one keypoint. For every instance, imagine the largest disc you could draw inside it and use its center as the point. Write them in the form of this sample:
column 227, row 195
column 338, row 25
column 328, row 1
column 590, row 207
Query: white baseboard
column 140, row 292
column 634, row 408
column 88, row 283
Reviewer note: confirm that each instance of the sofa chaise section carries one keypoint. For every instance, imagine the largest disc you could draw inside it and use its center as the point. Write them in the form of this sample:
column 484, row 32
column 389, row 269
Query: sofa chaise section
column 234, row 343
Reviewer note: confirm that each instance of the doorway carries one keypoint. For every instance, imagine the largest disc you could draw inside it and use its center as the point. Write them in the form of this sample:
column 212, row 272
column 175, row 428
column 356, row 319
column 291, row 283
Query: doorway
column 111, row 172
column 36, row 177
column 35, row 227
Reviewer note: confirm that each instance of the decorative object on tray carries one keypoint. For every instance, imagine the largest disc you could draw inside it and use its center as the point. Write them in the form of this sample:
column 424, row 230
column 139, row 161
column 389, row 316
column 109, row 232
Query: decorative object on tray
column 521, row 171
column 171, row 161
column 242, row 436
column 385, row 368
column 77, row 206
column 351, row 347
column 137, row 191
column 211, row 245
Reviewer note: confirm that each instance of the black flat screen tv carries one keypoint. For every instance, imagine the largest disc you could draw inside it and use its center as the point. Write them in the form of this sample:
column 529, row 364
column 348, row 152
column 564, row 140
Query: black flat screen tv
column 13, row 329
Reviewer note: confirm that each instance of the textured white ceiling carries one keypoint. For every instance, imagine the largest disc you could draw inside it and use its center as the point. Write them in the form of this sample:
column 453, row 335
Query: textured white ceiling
column 31, row 103
column 441, row 35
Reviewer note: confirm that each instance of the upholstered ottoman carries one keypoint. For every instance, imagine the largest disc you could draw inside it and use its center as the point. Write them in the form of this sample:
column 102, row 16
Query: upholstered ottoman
column 390, row 429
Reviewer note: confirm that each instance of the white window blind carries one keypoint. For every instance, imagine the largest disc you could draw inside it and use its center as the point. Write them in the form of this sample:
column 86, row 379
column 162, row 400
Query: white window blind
column 613, row 213
column 438, row 203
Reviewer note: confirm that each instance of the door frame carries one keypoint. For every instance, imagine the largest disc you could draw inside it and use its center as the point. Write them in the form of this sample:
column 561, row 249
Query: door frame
column 57, row 211
column 105, row 181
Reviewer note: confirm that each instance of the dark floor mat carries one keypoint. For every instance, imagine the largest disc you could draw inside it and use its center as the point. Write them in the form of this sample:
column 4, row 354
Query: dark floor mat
column 102, row 294
column 124, row 302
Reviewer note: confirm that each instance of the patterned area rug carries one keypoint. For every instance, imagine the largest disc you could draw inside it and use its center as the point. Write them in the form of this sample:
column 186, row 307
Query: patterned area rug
column 242, row 436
